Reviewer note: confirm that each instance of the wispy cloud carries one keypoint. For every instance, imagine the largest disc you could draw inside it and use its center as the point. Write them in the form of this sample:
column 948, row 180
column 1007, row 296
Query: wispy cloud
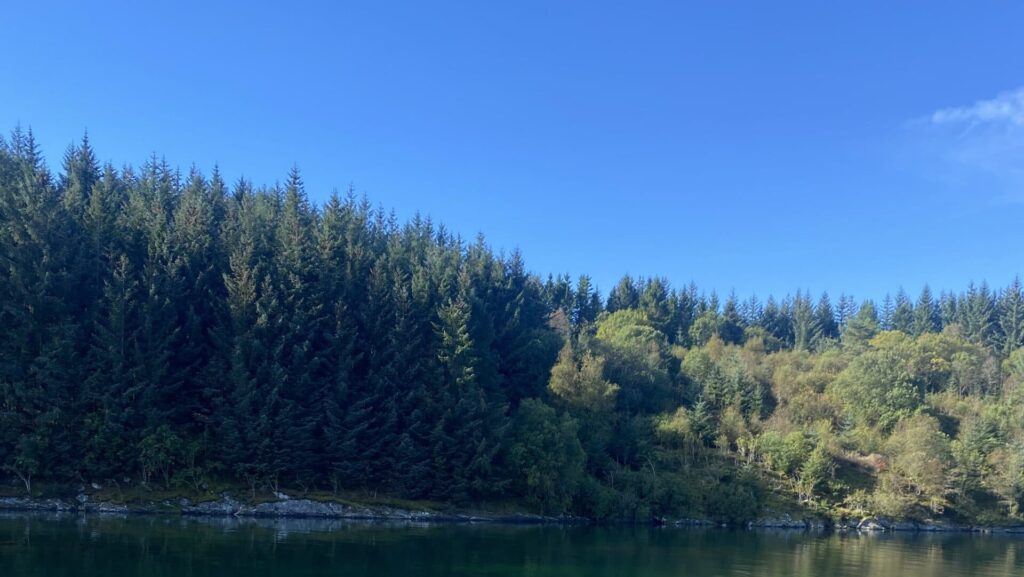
column 979, row 147
column 1006, row 109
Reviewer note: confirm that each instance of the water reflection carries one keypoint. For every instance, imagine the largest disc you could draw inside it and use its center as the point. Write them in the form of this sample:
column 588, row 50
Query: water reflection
column 56, row 546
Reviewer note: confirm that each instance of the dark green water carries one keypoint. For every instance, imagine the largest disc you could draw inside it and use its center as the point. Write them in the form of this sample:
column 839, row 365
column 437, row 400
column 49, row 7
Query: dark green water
column 150, row 546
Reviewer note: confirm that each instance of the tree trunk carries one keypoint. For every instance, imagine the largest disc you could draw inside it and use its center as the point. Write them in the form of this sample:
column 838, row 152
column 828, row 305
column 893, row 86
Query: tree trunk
column 27, row 480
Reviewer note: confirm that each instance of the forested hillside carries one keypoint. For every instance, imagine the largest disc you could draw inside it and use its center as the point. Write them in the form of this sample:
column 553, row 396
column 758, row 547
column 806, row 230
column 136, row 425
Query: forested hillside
column 165, row 330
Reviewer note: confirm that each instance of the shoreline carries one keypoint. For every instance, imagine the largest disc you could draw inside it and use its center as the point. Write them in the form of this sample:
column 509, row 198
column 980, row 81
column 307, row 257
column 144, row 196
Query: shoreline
column 288, row 508
column 310, row 509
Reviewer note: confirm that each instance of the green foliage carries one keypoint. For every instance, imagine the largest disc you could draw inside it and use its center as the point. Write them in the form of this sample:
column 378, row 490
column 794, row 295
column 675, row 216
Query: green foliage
column 582, row 385
column 544, row 456
column 879, row 388
column 160, row 452
column 784, row 454
column 166, row 329
column 917, row 473
column 734, row 500
column 814, row 472
column 637, row 359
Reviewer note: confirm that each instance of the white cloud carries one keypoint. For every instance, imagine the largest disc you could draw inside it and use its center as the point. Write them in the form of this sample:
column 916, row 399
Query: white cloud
column 1007, row 109
column 979, row 147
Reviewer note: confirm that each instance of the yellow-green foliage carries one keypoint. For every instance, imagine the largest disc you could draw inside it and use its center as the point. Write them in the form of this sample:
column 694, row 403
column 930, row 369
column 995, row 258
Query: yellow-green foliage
column 889, row 423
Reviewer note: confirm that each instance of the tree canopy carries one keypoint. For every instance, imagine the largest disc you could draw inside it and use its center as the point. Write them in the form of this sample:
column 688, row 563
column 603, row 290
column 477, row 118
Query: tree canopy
column 172, row 331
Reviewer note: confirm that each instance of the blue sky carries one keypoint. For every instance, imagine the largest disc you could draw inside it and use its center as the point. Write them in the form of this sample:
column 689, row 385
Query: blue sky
column 758, row 146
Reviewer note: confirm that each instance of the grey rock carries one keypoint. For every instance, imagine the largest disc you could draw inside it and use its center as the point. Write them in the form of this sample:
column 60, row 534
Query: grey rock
column 1014, row 530
column 115, row 508
column 225, row 506
column 871, row 525
column 781, row 522
column 30, row 504
column 692, row 523
column 935, row 527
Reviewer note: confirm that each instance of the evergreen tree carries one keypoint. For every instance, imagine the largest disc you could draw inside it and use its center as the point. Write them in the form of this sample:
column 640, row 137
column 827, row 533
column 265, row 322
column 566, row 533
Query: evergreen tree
column 466, row 437
column 903, row 313
column 586, row 302
column 846, row 309
column 926, row 313
column 948, row 314
column 805, row 322
column 777, row 322
column 862, row 327
column 977, row 314
column 825, row 319
column 731, row 325
column 655, row 303
column 752, row 311
column 888, row 312
column 624, row 295
column 1011, row 317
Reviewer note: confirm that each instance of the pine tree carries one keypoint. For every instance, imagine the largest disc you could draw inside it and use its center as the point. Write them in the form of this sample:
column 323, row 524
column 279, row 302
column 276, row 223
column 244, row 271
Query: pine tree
column 976, row 314
column 887, row 313
column 525, row 344
column 586, row 303
column 776, row 321
column 623, row 296
column 466, row 437
column 805, row 322
column 825, row 319
column 846, row 310
column 948, row 314
column 903, row 314
column 81, row 175
column 926, row 313
column 303, row 317
column 38, row 356
column 752, row 311
column 862, row 327
column 654, row 301
column 111, row 414
column 685, row 314
column 731, row 324
column 1011, row 317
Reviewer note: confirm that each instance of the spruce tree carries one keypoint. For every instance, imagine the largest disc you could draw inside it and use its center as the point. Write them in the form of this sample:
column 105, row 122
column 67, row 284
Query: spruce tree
column 624, row 295
column 926, row 313
column 887, row 313
column 903, row 313
column 977, row 314
column 731, row 324
column 825, row 319
column 1011, row 317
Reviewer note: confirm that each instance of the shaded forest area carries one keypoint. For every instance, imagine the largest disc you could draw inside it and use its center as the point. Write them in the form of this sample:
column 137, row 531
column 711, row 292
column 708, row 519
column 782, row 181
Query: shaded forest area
column 169, row 331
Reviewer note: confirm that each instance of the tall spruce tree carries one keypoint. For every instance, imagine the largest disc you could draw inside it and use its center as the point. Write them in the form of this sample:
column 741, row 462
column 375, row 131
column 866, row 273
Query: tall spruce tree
column 903, row 313
column 1011, row 317
column 926, row 313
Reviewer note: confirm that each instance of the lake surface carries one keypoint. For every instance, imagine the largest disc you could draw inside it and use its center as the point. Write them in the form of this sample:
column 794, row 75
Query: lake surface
column 59, row 546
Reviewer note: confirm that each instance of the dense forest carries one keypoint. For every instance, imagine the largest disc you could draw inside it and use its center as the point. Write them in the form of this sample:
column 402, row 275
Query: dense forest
column 170, row 331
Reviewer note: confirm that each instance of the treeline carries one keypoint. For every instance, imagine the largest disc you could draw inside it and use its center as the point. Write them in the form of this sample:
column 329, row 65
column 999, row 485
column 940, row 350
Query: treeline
column 173, row 331
column 689, row 317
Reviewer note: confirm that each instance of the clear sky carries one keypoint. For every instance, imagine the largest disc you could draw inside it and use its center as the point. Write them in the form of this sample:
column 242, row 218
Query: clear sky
column 756, row 146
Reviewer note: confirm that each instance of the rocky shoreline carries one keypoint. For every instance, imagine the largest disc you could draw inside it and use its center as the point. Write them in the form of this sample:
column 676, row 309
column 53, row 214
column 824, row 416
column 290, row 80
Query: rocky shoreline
column 228, row 506
column 875, row 525
column 299, row 508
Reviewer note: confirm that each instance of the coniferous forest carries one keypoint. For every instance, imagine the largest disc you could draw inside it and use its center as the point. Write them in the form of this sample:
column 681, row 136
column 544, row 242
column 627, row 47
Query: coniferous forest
column 165, row 331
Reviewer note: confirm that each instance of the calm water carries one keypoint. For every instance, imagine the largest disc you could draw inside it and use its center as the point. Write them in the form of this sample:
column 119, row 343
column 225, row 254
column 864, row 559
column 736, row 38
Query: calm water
column 145, row 547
